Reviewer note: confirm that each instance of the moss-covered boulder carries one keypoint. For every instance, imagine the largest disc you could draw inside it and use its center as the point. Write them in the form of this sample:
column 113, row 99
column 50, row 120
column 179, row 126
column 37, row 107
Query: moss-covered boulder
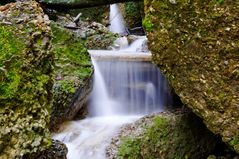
column 72, row 75
column 170, row 135
column 26, row 81
column 94, row 35
column 196, row 45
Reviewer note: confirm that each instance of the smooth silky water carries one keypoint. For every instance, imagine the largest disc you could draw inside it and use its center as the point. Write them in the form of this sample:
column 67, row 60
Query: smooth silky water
column 126, row 87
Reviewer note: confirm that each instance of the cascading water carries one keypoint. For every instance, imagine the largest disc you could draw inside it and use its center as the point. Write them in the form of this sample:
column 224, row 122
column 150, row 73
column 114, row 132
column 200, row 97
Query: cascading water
column 134, row 88
column 117, row 23
column 123, row 91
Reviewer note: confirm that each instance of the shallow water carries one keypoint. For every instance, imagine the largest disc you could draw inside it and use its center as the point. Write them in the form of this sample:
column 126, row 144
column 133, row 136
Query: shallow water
column 89, row 138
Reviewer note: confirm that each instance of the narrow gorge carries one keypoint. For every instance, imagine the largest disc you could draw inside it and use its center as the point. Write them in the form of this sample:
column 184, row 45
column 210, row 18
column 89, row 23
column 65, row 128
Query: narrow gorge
column 119, row 79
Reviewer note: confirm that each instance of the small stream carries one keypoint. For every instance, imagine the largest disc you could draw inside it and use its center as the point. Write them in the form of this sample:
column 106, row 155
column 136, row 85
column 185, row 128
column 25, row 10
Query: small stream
column 123, row 91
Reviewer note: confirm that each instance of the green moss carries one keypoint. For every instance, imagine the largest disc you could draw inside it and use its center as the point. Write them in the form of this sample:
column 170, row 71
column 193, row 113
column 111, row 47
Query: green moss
column 178, row 136
column 25, row 82
column 73, row 69
column 133, row 13
column 101, row 41
column 67, row 86
column 195, row 45
column 99, row 14
column 147, row 24
column 10, row 48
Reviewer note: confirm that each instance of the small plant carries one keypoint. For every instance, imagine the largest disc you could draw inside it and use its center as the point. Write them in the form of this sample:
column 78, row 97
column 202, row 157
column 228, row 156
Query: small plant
column 147, row 24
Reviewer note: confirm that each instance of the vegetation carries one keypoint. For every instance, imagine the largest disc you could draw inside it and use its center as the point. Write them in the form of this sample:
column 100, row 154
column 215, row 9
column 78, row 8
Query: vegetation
column 170, row 136
column 73, row 69
column 133, row 13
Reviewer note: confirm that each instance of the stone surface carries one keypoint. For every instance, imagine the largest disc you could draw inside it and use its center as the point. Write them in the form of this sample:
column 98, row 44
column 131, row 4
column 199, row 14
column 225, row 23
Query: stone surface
column 26, row 79
column 94, row 35
column 57, row 150
column 196, row 45
column 175, row 134
column 73, row 72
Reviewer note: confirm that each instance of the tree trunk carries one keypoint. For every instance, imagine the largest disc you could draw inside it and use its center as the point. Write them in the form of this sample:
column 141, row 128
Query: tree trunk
column 76, row 4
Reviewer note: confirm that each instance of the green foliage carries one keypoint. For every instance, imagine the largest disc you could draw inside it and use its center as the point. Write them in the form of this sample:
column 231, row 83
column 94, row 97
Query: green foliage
column 133, row 13
column 147, row 24
column 220, row 1
column 130, row 148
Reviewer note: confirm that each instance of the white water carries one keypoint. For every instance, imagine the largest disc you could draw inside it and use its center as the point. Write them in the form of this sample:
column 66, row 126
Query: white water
column 134, row 88
column 117, row 23
column 123, row 91
column 139, row 45
column 88, row 138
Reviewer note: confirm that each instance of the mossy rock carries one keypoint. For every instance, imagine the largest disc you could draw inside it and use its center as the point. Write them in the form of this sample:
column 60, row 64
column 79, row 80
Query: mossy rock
column 133, row 12
column 72, row 75
column 195, row 43
column 98, row 14
column 26, row 79
column 170, row 135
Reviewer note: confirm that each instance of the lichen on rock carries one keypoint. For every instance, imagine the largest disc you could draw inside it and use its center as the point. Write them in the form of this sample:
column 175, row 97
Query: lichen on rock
column 196, row 44
column 26, row 71
column 72, row 75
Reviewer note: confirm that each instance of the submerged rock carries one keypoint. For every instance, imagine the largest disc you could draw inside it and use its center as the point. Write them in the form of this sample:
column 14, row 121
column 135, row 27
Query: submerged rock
column 196, row 45
column 26, row 79
column 73, row 72
column 178, row 134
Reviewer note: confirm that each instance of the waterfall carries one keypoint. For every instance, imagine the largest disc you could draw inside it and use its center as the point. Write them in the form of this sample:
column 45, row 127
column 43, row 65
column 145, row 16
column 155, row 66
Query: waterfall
column 133, row 88
column 126, row 87
column 117, row 23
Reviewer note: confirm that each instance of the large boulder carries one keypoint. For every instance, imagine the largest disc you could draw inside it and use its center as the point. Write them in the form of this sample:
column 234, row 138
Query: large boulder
column 26, row 79
column 73, row 71
column 196, row 45
column 175, row 134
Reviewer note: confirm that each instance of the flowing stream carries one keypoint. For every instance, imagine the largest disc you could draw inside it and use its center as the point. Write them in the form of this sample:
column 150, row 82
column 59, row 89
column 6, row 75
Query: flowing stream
column 124, row 90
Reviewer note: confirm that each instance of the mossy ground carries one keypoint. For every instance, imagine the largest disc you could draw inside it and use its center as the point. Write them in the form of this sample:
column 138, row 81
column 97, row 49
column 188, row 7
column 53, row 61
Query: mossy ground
column 172, row 136
column 195, row 44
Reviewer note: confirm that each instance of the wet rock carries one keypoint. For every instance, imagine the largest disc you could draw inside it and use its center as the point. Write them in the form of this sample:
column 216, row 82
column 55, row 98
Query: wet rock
column 57, row 150
column 26, row 80
column 198, row 52
column 171, row 134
